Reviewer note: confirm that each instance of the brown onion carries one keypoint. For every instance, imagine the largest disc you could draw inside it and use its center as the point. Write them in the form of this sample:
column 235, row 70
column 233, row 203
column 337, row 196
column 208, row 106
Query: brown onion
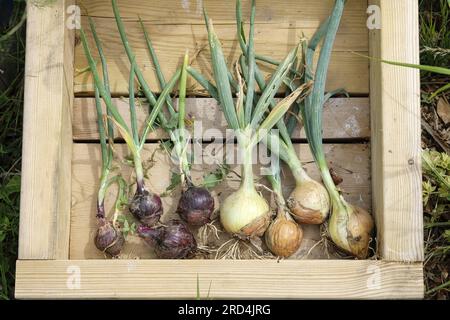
column 284, row 235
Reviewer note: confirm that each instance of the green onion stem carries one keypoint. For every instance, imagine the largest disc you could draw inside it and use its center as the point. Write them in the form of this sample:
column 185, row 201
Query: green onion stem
column 155, row 60
column 133, row 119
column 312, row 111
column 251, row 66
column 206, row 84
column 181, row 119
column 129, row 51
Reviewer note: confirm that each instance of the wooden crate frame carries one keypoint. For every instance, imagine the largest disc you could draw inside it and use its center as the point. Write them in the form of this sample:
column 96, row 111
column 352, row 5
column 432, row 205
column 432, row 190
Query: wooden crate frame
column 45, row 271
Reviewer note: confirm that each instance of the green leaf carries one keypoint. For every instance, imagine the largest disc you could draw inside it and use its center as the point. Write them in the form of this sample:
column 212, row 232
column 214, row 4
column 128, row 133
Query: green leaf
column 214, row 178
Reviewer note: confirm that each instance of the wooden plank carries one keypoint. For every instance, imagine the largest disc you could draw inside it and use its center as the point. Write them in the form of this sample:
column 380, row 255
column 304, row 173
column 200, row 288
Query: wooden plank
column 153, row 279
column 350, row 161
column 304, row 13
column 47, row 142
column 344, row 118
column 274, row 39
column 395, row 105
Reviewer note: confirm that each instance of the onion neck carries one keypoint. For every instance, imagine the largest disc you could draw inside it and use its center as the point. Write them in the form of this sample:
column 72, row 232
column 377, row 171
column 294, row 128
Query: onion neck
column 247, row 168
column 101, row 193
column 139, row 173
column 296, row 167
column 335, row 196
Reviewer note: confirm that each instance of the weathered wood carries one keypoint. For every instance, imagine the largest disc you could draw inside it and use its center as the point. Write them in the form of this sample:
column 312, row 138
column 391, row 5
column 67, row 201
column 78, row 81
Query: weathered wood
column 344, row 118
column 396, row 153
column 175, row 31
column 350, row 161
column 318, row 279
column 303, row 13
column 47, row 141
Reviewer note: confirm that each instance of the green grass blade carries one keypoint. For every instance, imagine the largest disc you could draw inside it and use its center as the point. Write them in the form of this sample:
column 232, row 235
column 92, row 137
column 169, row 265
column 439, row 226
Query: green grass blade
column 440, row 90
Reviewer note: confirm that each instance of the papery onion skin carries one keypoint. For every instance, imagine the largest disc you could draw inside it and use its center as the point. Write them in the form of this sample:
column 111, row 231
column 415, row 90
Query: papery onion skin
column 171, row 241
column 283, row 237
column 196, row 206
column 108, row 239
column 309, row 202
column 351, row 230
column 245, row 213
column 146, row 207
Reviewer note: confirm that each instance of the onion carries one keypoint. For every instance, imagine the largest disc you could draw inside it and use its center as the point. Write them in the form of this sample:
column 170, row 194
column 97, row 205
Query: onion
column 196, row 206
column 350, row 228
column 146, row 207
column 309, row 202
column 108, row 239
column 284, row 235
column 170, row 241
column 245, row 213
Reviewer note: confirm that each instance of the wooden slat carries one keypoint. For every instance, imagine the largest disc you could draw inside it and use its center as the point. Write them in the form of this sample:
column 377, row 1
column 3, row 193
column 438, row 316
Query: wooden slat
column 175, row 31
column 350, row 161
column 344, row 118
column 47, row 142
column 338, row 279
column 395, row 95
column 304, row 13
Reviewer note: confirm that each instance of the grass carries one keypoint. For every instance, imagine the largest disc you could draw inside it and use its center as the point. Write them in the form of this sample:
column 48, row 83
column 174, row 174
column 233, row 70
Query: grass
column 435, row 50
column 11, row 91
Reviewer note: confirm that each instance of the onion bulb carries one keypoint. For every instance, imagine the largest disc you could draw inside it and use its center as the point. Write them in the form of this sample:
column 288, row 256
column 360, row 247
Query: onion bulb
column 309, row 202
column 284, row 235
column 108, row 239
column 350, row 228
column 196, row 206
column 146, row 207
column 171, row 241
column 245, row 213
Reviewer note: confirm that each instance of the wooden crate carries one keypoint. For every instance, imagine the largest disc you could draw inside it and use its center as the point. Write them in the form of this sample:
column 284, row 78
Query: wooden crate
column 379, row 158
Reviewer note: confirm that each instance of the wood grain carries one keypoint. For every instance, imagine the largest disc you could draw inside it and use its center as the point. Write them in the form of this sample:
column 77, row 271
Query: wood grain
column 47, row 135
column 350, row 161
column 173, row 30
column 395, row 106
column 344, row 118
column 175, row 279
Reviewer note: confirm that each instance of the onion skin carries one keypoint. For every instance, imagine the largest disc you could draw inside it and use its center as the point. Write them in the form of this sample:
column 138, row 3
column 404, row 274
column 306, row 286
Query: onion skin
column 245, row 213
column 196, row 206
column 284, row 236
column 350, row 229
column 146, row 207
column 172, row 241
column 108, row 239
column 309, row 202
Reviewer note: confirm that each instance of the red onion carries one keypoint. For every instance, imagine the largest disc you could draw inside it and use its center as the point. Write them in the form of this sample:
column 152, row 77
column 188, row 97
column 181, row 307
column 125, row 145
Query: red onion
column 171, row 241
column 196, row 206
column 108, row 239
column 146, row 207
